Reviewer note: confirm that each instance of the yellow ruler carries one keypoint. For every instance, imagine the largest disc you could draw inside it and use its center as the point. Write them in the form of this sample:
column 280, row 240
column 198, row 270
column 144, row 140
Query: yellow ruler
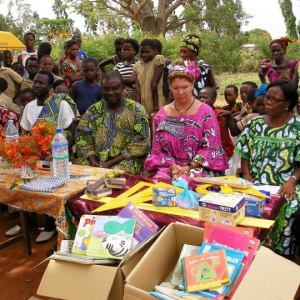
column 177, row 211
column 254, row 222
column 128, row 196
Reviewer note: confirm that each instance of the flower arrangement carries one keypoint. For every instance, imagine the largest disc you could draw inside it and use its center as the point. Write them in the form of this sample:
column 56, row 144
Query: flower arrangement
column 29, row 149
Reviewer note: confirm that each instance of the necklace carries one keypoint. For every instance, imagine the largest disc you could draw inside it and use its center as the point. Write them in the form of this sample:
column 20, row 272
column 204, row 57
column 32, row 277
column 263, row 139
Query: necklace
column 182, row 112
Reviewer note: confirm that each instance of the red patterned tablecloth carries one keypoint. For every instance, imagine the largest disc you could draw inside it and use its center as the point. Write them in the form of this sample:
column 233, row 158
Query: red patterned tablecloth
column 79, row 207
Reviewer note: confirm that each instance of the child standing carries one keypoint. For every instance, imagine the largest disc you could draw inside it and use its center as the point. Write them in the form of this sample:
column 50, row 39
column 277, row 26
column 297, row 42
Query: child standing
column 115, row 59
column 208, row 95
column 231, row 94
column 244, row 90
column 149, row 80
column 7, row 58
column 87, row 91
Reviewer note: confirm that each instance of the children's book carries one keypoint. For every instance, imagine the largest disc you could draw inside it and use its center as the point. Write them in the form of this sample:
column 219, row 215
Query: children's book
column 234, row 261
column 233, row 240
column 111, row 237
column 83, row 234
column 229, row 239
column 242, row 230
column 187, row 250
column 234, row 284
column 205, row 271
column 144, row 227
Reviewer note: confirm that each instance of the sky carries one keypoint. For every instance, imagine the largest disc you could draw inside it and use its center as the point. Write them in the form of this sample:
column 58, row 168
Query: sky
column 265, row 14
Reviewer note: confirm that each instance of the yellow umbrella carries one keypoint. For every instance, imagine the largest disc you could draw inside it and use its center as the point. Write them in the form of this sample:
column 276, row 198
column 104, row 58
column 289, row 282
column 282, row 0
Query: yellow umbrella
column 9, row 42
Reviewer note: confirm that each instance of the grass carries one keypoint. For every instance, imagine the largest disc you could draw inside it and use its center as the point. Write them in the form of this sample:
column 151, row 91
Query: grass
column 236, row 79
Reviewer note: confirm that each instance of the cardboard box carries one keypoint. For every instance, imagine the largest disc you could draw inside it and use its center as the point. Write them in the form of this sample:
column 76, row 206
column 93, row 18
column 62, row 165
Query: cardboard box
column 222, row 217
column 74, row 281
column 269, row 277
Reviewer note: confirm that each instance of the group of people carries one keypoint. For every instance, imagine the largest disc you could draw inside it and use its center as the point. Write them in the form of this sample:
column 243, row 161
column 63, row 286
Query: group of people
column 107, row 115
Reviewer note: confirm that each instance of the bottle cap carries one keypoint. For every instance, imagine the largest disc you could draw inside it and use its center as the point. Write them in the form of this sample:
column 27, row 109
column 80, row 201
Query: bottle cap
column 10, row 121
column 58, row 130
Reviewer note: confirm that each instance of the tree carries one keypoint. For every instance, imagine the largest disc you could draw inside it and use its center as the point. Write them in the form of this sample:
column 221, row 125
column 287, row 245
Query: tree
column 49, row 29
column 286, row 7
column 159, row 17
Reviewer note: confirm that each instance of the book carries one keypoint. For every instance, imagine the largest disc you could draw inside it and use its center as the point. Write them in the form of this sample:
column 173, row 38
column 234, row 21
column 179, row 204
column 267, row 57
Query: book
column 242, row 230
column 234, row 261
column 205, row 271
column 83, row 234
column 187, row 250
column 111, row 237
column 144, row 226
column 233, row 240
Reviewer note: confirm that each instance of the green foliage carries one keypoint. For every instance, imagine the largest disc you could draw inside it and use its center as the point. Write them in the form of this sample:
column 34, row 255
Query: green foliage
column 49, row 29
column 159, row 17
column 286, row 7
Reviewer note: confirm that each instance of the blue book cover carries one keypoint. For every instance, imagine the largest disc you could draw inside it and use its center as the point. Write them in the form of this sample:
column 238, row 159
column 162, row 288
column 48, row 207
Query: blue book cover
column 234, row 261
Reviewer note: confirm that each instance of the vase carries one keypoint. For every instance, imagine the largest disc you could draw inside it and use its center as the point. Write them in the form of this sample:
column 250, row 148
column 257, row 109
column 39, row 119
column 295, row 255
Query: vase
column 26, row 172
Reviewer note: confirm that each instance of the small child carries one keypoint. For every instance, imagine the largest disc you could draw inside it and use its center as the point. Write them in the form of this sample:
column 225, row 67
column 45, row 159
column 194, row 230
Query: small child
column 7, row 58
column 149, row 79
column 47, row 64
column 231, row 94
column 27, row 96
column 81, row 54
column 60, row 87
column 87, row 91
column 115, row 59
column 244, row 90
column 256, row 102
column 5, row 101
column 208, row 95
column 18, row 68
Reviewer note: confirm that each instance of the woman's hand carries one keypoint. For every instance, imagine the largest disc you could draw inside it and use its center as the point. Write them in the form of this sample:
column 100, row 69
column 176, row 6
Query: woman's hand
column 177, row 171
column 248, row 177
column 288, row 190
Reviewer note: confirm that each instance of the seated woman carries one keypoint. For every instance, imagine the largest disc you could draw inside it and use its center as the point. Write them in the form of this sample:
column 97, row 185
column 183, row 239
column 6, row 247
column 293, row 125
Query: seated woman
column 186, row 132
column 270, row 151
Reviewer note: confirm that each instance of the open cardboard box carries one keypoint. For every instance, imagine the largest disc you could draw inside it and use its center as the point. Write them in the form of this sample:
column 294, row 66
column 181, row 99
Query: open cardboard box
column 270, row 276
column 74, row 281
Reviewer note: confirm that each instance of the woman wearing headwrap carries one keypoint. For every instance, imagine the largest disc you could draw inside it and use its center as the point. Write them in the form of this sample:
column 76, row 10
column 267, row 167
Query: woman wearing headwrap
column 279, row 68
column 189, row 51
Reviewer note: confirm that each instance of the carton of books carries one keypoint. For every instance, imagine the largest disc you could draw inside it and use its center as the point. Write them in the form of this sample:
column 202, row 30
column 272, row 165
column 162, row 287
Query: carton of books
column 222, row 208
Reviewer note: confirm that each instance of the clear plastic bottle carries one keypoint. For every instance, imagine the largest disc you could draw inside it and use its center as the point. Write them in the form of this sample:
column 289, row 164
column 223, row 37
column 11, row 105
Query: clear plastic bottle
column 11, row 132
column 60, row 155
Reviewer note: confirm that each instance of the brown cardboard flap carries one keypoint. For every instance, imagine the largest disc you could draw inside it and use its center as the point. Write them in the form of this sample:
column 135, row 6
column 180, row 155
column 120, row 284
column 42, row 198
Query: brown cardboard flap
column 66, row 280
column 161, row 258
column 132, row 293
column 270, row 277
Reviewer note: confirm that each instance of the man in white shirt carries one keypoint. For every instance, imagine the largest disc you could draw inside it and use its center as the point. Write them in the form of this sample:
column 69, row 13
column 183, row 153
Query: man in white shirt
column 60, row 109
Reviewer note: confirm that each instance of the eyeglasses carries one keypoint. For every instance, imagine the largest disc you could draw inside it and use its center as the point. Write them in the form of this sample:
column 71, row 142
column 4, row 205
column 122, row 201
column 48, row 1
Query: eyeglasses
column 178, row 89
column 274, row 100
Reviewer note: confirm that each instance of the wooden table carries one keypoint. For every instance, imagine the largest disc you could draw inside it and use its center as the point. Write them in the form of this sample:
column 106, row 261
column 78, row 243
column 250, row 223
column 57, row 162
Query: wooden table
column 52, row 204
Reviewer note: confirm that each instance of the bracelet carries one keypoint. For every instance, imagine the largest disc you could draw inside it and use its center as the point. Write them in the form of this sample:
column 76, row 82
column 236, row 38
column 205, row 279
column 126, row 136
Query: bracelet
column 295, row 177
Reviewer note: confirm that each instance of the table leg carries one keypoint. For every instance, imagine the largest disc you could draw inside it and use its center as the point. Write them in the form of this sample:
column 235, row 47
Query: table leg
column 25, row 232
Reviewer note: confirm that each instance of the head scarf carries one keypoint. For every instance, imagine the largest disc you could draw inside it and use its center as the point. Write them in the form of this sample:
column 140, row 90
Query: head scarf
column 188, row 70
column 261, row 91
column 283, row 42
column 192, row 42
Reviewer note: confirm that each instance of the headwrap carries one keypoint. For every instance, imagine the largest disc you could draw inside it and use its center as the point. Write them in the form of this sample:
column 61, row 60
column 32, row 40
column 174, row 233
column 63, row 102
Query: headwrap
column 192, row 42
column 261, row 91
column 283, row 42
column 188, row 70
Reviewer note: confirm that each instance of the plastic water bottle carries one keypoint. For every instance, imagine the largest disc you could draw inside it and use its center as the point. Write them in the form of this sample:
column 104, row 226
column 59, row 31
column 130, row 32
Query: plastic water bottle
column 11, row 132
column 60, row 155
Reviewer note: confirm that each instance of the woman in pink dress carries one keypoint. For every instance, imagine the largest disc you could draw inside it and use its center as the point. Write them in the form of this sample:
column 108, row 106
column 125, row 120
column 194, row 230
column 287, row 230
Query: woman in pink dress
column 186, row 133
column 279, row 68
